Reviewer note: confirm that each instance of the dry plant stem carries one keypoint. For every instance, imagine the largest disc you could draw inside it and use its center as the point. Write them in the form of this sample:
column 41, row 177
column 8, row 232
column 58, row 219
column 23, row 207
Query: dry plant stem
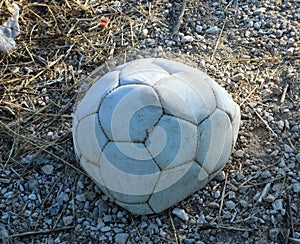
column 222, row 198
column 218, row 41
column 43, row 149
column 224, row 227
column 289, row 210
column 9, row 155
column 173, row 227
column 238, row 60
column 265, row 122
column 44, row 201
column 252, row 91
column 42, row 232
column 262, row 183
column 284, row 93
column 177, row 26
column 137, row 229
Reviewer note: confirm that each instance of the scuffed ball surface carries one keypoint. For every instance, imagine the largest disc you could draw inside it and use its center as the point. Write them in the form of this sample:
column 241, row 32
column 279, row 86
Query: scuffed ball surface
column 153, row 131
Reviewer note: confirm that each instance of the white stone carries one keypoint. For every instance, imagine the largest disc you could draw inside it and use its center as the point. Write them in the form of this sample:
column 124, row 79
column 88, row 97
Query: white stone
column 212, row 30
column 180, row 213
column 187, row 39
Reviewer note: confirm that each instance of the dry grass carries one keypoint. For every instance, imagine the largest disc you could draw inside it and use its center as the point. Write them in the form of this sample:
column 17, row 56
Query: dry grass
column 59, row 43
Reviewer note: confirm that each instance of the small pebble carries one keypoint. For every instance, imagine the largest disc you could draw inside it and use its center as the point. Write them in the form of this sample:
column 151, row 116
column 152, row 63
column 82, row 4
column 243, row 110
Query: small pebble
column 48, row 169
column 212, row 30
column 180, row 213
column 273, row 234
column 213, row 205
column 217, row 194
column 32, row 197
column 27, row 213
column 220, row 176
column 106, row 229
column 201, row 220
column 238, row 77
column 266, row 174
column 68, row 220
column 230, row 204
column 81, row 198
column 257, row 25
column 243, row 203
column 239, row 153
column 187, row 39
column 259, row 11
column 270, row 198
column 278, row 204
column 280, row 124
column 199, row 28
column 296, row 187
column 107, row 218
column 288, row 149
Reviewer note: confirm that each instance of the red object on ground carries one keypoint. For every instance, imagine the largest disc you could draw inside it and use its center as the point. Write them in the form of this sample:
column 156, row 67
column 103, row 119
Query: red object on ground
column 104, row 22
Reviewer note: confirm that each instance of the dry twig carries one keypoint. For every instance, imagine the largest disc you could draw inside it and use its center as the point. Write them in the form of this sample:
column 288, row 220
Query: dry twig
column 173, row 227
column 179, row 20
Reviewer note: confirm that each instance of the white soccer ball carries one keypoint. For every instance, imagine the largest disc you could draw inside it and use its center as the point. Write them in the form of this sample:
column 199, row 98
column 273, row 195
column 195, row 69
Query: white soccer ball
column 153, row 131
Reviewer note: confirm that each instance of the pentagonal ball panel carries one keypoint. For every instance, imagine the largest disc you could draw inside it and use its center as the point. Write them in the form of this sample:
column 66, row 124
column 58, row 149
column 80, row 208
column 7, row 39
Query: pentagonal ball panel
column 129, row 112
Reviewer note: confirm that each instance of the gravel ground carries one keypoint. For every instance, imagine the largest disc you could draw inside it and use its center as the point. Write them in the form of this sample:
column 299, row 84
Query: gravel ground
column 250, row 47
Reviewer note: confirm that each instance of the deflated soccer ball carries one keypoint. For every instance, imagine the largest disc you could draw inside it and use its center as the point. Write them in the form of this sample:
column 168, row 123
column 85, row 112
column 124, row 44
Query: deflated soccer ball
column 152, row 132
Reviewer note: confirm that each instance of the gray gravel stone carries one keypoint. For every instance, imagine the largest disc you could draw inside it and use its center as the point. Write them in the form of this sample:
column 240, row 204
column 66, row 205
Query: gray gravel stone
column 68, row 220
column 199, row 28
column 278, row 204
column 296, row 187
column 298, row 157
column 48, row 169
column 257, row 25
column 212, row 30
column 217, row 194
column 239, row 153
column 288, row 149
column 106, row 229
column 180, row 213
column 266, row 174
column 121, row 238
column 55, row 209
column 230, row 204
column 273, row 234
column 81, row 197
column 238, row 77
column 32, row 197
column 259, row 11
column 187, row 39
column 220, row 176
column 280, row 124
column 32, row 184
column 201, row 220
column 243, row 203
column 9, row 195
column 107, row 218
